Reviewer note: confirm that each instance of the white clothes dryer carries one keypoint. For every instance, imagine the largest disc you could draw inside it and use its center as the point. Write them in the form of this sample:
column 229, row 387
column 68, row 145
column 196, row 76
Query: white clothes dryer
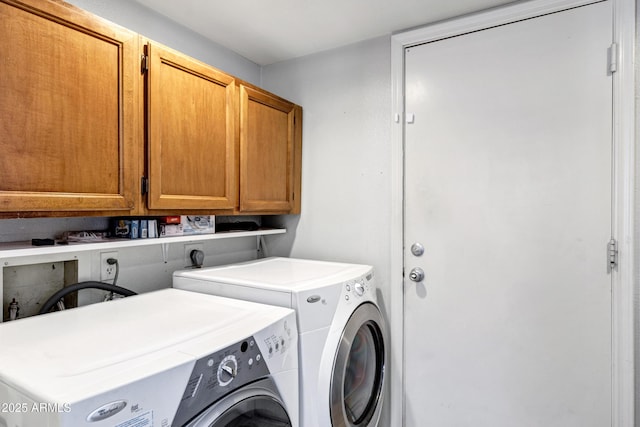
column 342, row 332
column 165, row 358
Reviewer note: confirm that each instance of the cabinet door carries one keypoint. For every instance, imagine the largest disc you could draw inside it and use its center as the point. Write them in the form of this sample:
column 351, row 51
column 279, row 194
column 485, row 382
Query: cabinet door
column 270, row 143
column 67, row 110
column 191, row 133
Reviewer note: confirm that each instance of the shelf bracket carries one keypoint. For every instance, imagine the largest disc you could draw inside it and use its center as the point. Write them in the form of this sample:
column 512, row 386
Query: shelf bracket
column 261, row 247
column 165, row 252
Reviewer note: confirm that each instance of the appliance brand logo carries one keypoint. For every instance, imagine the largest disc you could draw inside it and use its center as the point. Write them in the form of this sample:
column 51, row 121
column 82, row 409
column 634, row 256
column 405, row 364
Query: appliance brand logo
column 106, row 411
column 314, row 298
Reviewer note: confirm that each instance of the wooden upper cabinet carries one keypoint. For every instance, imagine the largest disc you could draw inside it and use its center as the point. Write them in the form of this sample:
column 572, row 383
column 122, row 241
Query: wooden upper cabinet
column 82, row 121
column 191, row 109
column 270, row 150
column 68, row 110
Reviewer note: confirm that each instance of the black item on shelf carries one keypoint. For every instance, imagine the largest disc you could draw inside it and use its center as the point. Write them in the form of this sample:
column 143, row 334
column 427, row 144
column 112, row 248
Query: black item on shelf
column 42, row 242
column 237, row 226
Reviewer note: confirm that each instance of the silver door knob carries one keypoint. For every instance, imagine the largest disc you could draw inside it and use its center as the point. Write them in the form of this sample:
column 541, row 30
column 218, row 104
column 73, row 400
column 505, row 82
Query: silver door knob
column 416, row 274
column 417, row 249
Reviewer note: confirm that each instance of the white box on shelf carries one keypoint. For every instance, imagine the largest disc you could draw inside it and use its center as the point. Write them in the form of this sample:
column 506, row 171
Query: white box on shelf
column 198, row 224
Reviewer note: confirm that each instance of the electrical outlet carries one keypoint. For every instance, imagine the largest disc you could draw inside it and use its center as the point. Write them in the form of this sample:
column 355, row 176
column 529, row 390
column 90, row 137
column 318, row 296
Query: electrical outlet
column 187, row 252
column 107, row 271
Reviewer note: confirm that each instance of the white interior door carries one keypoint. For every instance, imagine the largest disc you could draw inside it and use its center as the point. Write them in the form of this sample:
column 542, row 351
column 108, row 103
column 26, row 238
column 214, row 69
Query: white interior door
column 508, row 188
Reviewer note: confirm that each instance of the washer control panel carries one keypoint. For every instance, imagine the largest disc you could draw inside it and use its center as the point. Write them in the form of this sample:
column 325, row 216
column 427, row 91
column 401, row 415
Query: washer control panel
column 218, row 374
column 273, row 347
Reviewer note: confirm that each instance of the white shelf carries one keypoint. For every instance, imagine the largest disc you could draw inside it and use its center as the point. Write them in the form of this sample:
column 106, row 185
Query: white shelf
column 17, row 249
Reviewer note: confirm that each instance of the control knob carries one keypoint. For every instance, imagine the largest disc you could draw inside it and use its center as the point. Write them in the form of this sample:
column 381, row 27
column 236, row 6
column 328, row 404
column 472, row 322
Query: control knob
column 359, row 288
column 227, row 370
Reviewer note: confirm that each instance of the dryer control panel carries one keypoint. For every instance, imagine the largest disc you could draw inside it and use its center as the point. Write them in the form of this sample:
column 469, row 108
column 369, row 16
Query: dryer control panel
column 357, row 289
column 218, row 374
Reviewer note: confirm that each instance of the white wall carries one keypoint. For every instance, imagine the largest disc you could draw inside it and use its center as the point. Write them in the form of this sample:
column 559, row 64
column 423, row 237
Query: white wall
column 346, row 157
column 142, row 268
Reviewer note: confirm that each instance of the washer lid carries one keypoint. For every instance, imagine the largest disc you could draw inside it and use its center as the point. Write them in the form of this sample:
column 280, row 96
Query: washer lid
column 288, row 274
column 65, row 354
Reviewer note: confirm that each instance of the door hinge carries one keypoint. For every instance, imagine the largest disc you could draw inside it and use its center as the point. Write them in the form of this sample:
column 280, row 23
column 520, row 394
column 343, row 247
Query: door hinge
column 144, row 64
column 144, row 185
column 613, row 58
column 612, row 255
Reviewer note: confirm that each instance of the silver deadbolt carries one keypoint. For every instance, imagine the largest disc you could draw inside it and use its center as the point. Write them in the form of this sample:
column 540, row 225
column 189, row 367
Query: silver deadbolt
column 416, row 275
column 417, row 249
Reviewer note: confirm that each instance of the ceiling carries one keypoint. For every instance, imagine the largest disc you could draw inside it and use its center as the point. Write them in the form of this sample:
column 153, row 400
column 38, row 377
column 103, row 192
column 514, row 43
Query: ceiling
column 269, row 31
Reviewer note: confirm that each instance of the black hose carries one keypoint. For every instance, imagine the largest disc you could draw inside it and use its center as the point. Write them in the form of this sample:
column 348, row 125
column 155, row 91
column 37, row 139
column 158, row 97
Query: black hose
column 48, row 305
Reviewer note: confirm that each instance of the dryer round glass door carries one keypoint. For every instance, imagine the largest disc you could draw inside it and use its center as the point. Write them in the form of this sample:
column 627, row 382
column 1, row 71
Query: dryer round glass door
column 358, row 373
column 254, row 405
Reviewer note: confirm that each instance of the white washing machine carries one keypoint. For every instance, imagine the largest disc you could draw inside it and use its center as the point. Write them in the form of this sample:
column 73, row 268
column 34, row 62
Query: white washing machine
column 166, row 358
column 342, row 332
